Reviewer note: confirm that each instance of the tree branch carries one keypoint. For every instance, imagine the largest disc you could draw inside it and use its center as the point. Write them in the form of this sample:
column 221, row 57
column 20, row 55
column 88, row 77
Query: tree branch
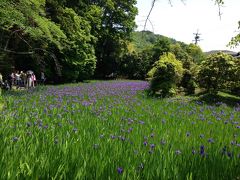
column 218, row 2
column 58, row 69
column 15, row 52
column 10, row 37
column 145, row 24
column 24, row 40
column 170, row 2
column 32, row 50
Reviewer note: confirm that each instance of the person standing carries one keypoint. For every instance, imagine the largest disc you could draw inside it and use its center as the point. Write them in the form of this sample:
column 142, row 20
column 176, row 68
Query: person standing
column 42, row 78
column 1, row 84
column 29, row 80
column 10, row 80
column 18, row 79
column 13, row 80
column 1, row 79
column 34, row 80
column 23, row 79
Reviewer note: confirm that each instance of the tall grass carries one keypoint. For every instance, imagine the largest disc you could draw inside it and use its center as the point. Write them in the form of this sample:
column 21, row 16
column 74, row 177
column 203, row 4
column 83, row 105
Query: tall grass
column 111, row 130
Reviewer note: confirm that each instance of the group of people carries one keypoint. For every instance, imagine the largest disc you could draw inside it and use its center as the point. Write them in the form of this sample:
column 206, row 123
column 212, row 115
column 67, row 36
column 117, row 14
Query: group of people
column 21, row 79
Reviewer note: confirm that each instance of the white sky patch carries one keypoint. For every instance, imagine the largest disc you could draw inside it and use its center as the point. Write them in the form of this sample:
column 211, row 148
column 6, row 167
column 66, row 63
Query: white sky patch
column 182, row 20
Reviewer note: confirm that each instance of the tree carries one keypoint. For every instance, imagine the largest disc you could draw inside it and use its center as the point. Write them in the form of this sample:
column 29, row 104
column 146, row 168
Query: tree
column 135, row 65
column 78, row 56
column 217, row 72
column 44, row 30
column 179, row 52
column 117, row 23
column 112, row 23
column 165, row 75
column 235, row 41
column 235, row 81
column 26, row 32
column 160, row 47
column 196, row 53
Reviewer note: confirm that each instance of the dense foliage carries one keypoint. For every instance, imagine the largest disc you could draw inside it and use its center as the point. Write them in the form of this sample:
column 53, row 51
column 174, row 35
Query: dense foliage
column 165, row 75
column 66, row 39
column 146, row 48
column 218, row 72
column 75, row 40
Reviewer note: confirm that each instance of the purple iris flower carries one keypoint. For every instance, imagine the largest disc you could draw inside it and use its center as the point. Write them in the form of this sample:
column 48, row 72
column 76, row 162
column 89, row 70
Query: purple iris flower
column 120, row 170
column 15, row 139
column 141, row 122
column 233, row 142
column 75, row 130
column 193, row 151
column 202, row 150
column 178, row 152
column 210, row 140
column 163, row 142
column 113, row 137
column 152, row 146
column 230, row 154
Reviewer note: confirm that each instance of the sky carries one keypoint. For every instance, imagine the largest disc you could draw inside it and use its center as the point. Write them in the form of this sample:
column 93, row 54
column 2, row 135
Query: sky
column 181, row 20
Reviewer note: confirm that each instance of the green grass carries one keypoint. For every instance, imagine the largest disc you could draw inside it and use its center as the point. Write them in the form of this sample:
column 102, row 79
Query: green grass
column 1, row 105
column 220, row 97
column 1, row 101
column 88, row 131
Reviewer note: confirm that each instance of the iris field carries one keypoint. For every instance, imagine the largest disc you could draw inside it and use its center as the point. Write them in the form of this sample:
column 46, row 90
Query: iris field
column 112, row 130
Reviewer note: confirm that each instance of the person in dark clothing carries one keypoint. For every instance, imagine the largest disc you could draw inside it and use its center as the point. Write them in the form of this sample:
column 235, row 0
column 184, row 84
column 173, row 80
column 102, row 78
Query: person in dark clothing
column 10, row 81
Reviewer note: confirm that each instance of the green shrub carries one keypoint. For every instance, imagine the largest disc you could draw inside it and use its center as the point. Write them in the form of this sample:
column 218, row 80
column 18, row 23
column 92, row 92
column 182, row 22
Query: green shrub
column 188, row 82
column 217, row 72
column 235, row 84
column 165, row 75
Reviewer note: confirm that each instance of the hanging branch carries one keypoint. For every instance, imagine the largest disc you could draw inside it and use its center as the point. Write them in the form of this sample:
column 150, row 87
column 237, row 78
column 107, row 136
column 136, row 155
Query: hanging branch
column 170, row 2
column 151, row 25
column 220, row 5
column 145, row 24
column 58, row 66
column 16, row 52
column 5, row 48
column 218, row 2
column 32, row 50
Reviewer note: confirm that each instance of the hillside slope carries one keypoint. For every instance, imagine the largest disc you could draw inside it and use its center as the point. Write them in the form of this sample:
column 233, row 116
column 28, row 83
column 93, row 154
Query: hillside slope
column 146, row 39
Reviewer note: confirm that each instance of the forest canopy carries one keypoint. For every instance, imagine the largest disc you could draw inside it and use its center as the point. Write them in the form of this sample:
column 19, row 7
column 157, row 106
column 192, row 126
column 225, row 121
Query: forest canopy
column 69, row 40
column 76, row 40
